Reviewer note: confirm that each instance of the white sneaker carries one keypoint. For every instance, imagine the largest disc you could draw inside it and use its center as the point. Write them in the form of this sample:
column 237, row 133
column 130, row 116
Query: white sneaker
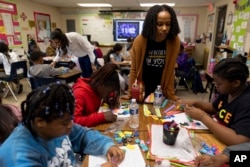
column 6, row 92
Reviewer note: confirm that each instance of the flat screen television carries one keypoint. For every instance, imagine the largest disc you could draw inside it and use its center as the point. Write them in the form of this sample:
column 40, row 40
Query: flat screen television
column 126, row 28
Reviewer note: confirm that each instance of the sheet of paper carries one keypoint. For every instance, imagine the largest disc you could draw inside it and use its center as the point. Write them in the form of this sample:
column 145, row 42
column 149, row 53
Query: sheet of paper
column 183, row 148
column 133, row 158
column 182, row 118
column 122, row 113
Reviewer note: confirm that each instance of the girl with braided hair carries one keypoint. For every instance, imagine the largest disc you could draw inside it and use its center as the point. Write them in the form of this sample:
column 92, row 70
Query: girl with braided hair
column 102, row 86
column 154, row 52
column 231, row 109
column 47, row 135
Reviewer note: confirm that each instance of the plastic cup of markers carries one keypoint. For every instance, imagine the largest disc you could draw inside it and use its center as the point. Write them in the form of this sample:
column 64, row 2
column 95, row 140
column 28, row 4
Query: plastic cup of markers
column 169, row 133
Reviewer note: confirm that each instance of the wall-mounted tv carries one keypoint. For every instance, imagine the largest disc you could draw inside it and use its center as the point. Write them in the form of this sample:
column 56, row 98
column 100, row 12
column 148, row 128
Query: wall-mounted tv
column 125, row 28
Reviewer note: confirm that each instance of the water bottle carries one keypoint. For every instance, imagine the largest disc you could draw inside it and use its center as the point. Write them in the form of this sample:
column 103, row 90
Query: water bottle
column 211, row 66
column 134, row 114
column 158, row 97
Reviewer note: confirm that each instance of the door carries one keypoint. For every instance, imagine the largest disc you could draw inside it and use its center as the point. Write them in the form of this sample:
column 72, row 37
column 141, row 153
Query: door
column 220, row 27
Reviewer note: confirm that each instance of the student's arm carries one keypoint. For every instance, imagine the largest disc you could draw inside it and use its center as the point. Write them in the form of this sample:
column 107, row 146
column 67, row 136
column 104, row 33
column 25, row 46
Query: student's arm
column 80, row 113
column 220, row 159
column 223, row 133
column 205, row 106
column 239, row 147
column 211, row 161
column 88, row 141
column 55, row 71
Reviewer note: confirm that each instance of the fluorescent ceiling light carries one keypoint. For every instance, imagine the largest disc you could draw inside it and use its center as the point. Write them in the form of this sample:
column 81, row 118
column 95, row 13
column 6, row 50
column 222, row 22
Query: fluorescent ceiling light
column 152, row 4
column 94, row 5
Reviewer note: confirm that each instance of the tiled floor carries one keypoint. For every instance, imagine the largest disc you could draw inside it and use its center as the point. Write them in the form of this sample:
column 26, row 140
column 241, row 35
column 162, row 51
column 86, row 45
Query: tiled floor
column 181, row 92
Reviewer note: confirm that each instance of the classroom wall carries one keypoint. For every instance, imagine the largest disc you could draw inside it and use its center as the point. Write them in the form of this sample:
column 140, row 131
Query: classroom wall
column 78, row 13
column 209, row 45
column 28, row 7
column 60, row 15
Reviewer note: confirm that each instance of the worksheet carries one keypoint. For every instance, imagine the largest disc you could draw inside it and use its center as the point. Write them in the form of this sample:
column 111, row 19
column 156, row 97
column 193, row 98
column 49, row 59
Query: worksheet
column 184, row 120
column 182, row 150
column 133, row 158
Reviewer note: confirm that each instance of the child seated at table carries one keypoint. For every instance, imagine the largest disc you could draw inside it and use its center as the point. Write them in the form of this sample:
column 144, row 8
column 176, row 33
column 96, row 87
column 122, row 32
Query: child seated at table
column 6, row 58
column 48, row 137
column 219, row 159
column 9, row 119
column 102, row 86
column 43, row 70
column 231, row 108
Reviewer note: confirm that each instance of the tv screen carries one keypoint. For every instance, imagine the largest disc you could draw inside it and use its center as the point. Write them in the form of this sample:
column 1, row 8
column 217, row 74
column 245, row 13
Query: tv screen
column 124, row 29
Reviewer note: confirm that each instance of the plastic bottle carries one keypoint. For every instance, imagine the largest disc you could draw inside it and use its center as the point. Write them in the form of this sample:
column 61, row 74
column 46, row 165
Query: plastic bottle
column 158, row 97
column 211, row 66
column 134, row 114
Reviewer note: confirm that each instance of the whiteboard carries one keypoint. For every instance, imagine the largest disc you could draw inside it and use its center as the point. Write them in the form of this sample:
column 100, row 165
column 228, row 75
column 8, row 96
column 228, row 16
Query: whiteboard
column 100, row 27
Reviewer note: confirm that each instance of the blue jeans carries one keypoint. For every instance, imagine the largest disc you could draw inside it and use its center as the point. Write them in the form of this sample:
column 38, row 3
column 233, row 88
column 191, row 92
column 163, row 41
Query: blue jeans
column 85, row 65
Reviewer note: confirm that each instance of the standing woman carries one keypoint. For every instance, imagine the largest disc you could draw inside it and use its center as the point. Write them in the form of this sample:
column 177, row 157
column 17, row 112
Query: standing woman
column 155, row 51
column 74, row 45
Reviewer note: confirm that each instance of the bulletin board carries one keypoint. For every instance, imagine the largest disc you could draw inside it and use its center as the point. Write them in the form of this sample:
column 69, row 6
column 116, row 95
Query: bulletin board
column 240, row 25
column 9, row 26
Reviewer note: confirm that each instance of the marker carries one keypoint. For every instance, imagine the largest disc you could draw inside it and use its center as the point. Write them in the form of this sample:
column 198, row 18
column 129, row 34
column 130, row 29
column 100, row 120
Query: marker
column 169, row 108
column 165, row 102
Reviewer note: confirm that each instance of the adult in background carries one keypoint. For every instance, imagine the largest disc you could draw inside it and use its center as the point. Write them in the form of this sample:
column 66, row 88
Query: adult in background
column 154, row 52
column 77, row 48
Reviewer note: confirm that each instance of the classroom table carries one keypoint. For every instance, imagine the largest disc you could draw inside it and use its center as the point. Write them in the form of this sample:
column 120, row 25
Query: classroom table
column 70, row 76
column 143, row 135
column 61, row 63
column 199, row 135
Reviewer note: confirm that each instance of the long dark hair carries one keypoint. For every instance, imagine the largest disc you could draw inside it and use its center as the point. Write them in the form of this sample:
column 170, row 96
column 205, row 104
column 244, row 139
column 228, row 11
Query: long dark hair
column 59, row 35
column 108, row 77
column 4, row 49
column 149, row 25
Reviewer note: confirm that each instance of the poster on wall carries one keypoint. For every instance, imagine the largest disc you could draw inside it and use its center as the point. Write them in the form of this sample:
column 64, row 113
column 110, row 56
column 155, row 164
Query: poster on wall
column 9, row 25
column 43, row 26
column 240, row 23
column 188, row 26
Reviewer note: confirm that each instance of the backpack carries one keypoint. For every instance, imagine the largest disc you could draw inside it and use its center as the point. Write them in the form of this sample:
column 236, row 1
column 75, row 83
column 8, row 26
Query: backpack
column 197, row 84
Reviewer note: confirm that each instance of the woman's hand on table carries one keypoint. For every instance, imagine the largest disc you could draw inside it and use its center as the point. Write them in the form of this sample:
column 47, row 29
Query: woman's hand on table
column 115, row 155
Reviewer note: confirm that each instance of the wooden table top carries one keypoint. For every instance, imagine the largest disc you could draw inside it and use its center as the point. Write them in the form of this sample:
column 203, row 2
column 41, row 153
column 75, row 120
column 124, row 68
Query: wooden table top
column 199, row 135
column 198, row 139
